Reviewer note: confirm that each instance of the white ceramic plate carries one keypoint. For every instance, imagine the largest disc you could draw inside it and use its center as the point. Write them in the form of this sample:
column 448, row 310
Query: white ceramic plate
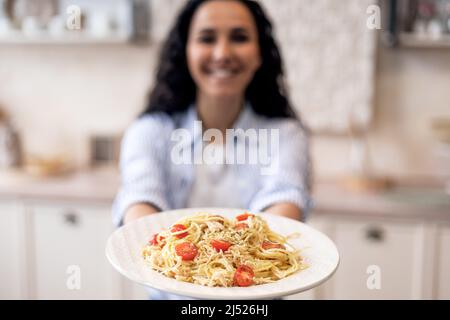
column 124, row 246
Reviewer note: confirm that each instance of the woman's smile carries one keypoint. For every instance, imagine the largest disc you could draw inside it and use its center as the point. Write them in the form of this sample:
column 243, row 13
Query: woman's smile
column 221, row 74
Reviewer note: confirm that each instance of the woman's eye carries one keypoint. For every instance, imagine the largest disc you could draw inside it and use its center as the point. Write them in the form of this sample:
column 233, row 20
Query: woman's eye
column 206, row 39
column 239, row 38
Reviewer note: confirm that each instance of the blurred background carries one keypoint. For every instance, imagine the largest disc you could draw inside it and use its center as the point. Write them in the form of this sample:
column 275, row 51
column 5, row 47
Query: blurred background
column 370, row 79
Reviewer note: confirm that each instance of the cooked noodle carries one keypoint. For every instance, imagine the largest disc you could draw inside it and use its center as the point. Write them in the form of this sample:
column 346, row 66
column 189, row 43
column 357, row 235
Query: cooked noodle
column 251, row 244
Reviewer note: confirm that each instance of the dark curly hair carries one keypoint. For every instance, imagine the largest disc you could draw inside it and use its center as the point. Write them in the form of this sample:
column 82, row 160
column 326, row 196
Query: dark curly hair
column 175, row 89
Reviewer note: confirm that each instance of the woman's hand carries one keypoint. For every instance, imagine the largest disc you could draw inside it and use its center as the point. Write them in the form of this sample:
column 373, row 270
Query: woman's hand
column 286, row 209
column 137, row 211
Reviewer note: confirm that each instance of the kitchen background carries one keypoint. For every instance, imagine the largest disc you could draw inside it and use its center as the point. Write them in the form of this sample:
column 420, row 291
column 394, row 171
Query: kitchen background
column 376, row 100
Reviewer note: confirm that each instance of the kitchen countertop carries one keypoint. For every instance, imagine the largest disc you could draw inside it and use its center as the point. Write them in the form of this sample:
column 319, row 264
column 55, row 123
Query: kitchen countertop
column 330, row 197
column 402, row 201
column 86, row 185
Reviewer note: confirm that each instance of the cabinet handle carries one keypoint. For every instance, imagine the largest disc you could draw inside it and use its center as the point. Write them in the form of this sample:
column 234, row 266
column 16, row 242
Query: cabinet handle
column 71, row 218
column 375, row 234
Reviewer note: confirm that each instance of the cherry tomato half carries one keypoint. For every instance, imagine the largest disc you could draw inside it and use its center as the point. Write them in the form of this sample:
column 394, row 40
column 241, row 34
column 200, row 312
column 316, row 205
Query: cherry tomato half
column 154, row 240
column 220, row 245
column 271, row 245
column 241, row 226
column 186, row 250
column 244, row 216
column 243, row 277
column 179, row 227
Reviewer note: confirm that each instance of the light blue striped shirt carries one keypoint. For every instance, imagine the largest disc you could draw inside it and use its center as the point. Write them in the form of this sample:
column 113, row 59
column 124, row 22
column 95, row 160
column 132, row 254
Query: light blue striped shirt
column 149, row 174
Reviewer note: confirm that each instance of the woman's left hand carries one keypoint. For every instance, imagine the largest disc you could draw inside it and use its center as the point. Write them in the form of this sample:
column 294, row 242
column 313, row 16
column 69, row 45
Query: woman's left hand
column 286, row 209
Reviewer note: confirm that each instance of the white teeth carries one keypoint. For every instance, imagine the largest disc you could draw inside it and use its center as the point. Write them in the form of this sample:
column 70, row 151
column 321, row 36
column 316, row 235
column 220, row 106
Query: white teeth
column 221, row 73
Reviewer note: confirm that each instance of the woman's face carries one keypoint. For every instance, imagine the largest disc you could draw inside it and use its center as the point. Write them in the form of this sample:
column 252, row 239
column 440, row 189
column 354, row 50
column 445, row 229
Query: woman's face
column 223, row 51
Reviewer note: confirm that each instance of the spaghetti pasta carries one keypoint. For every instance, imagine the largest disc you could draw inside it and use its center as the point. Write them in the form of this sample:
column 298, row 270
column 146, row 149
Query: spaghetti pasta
column 211, row 250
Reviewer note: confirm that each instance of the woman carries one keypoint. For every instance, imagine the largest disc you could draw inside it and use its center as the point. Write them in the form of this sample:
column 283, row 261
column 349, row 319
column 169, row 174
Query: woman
column 220, row 65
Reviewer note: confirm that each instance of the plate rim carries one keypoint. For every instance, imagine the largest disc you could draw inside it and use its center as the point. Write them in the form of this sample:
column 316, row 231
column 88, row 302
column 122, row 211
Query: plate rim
column 199, row 295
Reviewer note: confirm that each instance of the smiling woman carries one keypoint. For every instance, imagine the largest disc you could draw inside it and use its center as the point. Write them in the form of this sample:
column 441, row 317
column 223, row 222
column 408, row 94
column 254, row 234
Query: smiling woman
column 222, row 51
column 213, row 33
column 219, row 66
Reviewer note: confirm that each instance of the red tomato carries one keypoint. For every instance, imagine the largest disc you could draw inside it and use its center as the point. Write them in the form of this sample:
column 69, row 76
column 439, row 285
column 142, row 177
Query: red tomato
column 220, row 245
column 271, row 245
column 240, row 226
column 186, row 250
column 154, row 240
column 179, row 227
column 243, row 277
column 244, row 216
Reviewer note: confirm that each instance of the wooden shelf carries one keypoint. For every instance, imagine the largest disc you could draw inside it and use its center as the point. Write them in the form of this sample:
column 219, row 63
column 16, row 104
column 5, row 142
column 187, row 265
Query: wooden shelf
column 410, row 40
column 63, row 39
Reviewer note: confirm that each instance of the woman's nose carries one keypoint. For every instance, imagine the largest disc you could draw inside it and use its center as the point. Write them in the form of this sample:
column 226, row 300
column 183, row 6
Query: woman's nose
column 222, row 50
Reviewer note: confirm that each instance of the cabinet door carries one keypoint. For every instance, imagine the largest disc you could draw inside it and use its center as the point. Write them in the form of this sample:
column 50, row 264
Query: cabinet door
column 10, row 251
column 379, row 260
column 442, row 282
column 69, row 252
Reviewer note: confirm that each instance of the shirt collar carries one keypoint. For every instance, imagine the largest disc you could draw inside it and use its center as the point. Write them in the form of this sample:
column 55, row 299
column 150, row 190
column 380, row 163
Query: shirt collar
column 244, row 121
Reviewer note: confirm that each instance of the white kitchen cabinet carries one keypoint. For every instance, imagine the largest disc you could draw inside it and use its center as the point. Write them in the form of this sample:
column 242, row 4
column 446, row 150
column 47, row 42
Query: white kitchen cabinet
column 44, row 244
column 442, row 277
column 69, row 252
column 379, row 260
column 11, row 272
column 134, row 291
